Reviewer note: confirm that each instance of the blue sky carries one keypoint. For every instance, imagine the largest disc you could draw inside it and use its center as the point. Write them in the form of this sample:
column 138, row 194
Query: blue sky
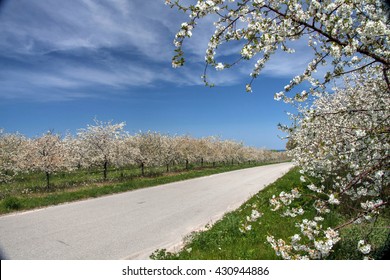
column 64, row 63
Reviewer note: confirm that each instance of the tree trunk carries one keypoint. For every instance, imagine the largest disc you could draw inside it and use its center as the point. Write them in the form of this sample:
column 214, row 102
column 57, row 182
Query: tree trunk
column 167, row 167
column 105, row 170
column 48, row 180
column 187, row 164
column 142, row 169
column 201, row 162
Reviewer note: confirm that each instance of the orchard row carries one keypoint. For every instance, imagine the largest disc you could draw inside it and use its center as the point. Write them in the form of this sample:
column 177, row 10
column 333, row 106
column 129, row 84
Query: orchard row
column 107, row 144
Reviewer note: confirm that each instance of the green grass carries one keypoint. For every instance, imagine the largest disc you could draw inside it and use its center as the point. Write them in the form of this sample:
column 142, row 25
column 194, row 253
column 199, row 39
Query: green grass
column 74, row 186
column 224, row 241
column 35, row 182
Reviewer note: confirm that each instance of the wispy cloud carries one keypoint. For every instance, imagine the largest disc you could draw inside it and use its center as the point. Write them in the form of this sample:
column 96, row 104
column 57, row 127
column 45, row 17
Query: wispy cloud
column 34, row 27
column 73, row 46
column 59, row 50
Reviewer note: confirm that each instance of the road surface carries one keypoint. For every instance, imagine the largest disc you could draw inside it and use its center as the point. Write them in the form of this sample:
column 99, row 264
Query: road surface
column 130, row 225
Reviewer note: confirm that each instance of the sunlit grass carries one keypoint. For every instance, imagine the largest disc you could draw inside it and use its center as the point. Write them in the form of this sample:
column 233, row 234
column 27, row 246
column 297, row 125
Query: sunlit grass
column 223, row 240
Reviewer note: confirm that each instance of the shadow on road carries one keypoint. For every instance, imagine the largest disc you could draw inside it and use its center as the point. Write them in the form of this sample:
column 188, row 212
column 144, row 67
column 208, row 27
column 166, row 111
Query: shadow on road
column 2, row 255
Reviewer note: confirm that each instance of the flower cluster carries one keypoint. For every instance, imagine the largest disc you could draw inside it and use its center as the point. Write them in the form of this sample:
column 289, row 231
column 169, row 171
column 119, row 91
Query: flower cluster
column 364, row 247
column 318, row 244
column 284, row 199
column 254, row 216
column 344, row 35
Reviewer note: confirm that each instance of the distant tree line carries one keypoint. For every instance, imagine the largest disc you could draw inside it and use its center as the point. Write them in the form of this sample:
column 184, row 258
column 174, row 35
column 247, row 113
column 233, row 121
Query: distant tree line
column 107, row 144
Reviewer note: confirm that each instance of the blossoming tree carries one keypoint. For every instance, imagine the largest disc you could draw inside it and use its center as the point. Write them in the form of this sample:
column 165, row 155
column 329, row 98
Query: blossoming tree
column 12, row 154
column 344, row 36
column 341, row 139
column 148, row 149
column 169, row 151
column 99, row 143
column 47, row 154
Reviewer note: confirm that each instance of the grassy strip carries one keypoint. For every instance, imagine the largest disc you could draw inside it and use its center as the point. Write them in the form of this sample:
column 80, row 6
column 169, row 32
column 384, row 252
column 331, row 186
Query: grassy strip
column 36, row 200
column 224, row 240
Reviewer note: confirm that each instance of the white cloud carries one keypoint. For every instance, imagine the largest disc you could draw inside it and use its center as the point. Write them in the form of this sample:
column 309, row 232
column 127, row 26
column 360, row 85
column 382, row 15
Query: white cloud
column 76, row 46
column 287, row 65
column 41, row 26
column 73, row 45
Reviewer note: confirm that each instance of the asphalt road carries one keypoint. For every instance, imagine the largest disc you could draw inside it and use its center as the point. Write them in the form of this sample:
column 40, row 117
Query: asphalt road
column 130, row 225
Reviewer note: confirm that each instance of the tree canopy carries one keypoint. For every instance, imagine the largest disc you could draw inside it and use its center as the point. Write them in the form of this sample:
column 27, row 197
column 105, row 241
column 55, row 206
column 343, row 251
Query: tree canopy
column 340, row 137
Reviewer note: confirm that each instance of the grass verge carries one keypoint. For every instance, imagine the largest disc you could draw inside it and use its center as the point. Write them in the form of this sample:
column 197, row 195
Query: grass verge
column 225, row 241
column 29, row 201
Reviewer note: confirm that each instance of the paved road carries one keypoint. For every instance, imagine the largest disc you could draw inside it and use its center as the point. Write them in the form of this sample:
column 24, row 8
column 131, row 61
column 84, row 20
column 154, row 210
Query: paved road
column 130, row 225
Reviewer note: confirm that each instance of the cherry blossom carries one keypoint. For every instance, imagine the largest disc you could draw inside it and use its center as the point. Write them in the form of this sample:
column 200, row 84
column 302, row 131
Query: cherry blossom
column 344, row 36
column 340, row 135
column 99, row 142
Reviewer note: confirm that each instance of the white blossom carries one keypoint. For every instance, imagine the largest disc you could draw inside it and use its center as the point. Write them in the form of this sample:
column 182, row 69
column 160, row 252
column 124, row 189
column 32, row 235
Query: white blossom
column 219, row 66
column 333, row 200
column 339, row 33
column 364, row 247
column 342, row 135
